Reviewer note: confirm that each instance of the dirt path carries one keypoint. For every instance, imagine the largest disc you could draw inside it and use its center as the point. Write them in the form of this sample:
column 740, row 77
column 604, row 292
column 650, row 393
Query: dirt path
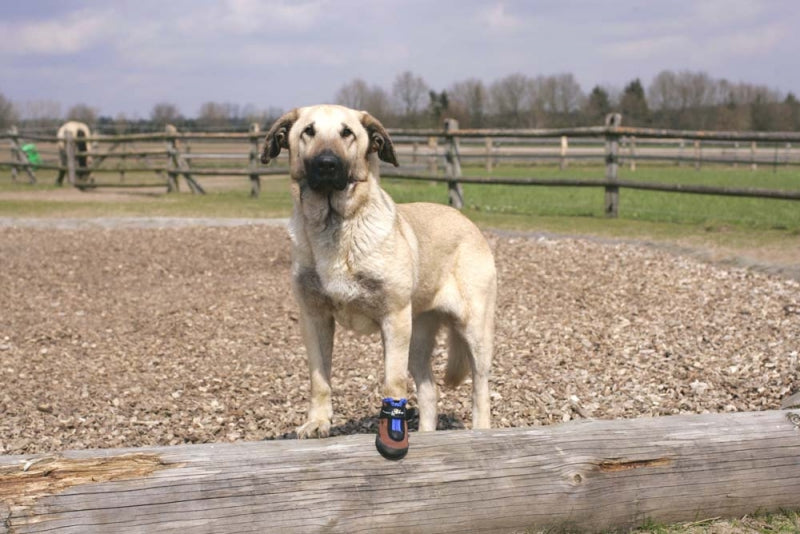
column 132, row 332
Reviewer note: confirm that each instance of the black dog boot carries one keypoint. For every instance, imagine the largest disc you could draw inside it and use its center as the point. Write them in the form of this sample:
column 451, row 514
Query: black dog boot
column 392, row 438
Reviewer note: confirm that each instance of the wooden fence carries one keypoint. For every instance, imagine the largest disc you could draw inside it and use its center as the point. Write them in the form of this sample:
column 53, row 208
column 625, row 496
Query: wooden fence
column 172, row 155
column 588, row 476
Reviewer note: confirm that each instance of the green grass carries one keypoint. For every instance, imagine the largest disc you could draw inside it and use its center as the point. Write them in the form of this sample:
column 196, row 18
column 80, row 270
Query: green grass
column 649, row 206
column 721, row 221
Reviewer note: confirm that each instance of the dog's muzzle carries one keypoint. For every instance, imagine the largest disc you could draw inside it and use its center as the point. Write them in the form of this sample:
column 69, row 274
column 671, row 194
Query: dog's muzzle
column 326, row 172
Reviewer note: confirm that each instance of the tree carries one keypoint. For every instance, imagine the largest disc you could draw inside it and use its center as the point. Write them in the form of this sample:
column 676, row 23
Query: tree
column 165, row 113
column 439, row 103
column 663, row 92
column 409, row 92
column 598, row 105
column 8, row 113
column 553, row 99
column 217, row 114
column 791, row 112
column 41, row 114
column 633, row 104
column 469, row 101
column 82, row 113
column 510, row 99
column 358, row 95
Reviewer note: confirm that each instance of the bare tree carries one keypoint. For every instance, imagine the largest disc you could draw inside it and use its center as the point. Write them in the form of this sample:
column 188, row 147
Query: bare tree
column 358, row 95
column 8, row 113
column 41, row 114
column 82, row 113
column 217, row 114
column 410, row 93
column 165, row 113
column 469, row 100
column 510, row 98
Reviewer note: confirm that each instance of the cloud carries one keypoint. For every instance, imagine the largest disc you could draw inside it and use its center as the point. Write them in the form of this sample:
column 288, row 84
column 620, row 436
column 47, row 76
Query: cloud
column 249, row 16
column 753, row 42
column 651, row 47
column 74, row 33
column 498, row 19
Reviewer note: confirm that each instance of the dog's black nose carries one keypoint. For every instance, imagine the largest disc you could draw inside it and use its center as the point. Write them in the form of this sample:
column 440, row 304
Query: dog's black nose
column 326, row 171
column 327, row 164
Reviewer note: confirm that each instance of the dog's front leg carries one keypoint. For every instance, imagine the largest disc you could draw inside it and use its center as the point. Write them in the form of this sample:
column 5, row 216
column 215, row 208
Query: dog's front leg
column 392, row 438
column 396, row 337
column 318, row 338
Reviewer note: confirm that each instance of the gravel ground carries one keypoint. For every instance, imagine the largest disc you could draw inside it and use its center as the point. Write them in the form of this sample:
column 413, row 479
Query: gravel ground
column 113, row 334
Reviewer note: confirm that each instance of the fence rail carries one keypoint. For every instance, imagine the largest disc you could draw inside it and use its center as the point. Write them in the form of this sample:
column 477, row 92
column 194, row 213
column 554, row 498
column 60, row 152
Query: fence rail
column 171, row 155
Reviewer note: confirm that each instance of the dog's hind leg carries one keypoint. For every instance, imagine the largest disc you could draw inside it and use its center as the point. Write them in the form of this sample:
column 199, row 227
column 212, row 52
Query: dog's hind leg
column 471, row 343
column 423, row 339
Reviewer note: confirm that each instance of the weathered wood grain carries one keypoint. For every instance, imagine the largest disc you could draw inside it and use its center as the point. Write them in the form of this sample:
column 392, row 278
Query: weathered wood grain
column 587, row 475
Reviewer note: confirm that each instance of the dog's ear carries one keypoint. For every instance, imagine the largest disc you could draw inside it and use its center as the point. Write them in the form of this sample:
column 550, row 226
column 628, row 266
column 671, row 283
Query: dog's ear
column 379, row 140
column 278, row 136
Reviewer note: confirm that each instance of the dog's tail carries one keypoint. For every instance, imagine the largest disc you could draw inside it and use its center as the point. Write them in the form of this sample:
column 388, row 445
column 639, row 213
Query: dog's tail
column 458, row 360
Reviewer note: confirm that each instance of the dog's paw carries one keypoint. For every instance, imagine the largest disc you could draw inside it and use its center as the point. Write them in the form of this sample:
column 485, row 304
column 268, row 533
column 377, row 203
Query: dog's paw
column 316, row 428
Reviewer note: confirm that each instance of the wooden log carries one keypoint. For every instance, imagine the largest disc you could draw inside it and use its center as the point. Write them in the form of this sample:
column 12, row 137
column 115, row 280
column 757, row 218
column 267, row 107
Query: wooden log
column 585, row 475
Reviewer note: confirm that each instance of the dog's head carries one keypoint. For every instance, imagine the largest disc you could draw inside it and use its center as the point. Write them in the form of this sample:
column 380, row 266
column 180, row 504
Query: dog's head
column 330, row 147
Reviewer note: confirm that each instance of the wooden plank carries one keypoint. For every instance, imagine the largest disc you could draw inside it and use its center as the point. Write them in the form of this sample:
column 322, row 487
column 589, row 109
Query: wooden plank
column 586, row 475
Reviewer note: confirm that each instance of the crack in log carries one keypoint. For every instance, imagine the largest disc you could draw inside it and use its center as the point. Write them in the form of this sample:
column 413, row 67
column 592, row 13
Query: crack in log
column 613, row 465
column 21, row 486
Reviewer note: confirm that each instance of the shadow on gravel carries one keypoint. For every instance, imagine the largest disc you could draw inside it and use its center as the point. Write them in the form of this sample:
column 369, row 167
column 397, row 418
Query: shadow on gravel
column 369, row 425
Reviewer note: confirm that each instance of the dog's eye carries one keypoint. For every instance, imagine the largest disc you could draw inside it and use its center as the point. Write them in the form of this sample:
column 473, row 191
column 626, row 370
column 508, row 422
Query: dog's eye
column 346, row 132
column 309, row 130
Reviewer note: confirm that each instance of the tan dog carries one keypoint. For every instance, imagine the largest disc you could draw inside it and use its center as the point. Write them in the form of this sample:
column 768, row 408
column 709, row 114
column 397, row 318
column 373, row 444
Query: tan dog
column 370, row 265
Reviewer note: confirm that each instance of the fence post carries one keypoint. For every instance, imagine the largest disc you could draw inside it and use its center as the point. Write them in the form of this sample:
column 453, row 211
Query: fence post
column 179, row 165
column 19, row 155
column 698, row 154
column 433, row 163
column 753, row 164
column 489, row 154
column 255, row 178
column 613, row 120
column 564, row 146
column 632, row 152
column 172, row 145
column 69, row 145
column 453, row 166
column 681, row 145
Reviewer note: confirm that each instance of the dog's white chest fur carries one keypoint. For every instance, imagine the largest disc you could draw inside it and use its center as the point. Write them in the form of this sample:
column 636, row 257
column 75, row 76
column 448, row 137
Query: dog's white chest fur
column 347, row 274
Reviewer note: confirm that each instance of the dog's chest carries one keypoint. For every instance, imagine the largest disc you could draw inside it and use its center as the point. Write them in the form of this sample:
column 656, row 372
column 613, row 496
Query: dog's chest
column 354, row 298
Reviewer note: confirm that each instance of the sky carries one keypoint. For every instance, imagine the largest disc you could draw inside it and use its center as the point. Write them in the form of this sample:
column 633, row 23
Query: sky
column 123, row 57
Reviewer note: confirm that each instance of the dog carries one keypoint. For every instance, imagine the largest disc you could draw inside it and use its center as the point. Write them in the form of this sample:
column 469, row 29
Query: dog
column 370, row 265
